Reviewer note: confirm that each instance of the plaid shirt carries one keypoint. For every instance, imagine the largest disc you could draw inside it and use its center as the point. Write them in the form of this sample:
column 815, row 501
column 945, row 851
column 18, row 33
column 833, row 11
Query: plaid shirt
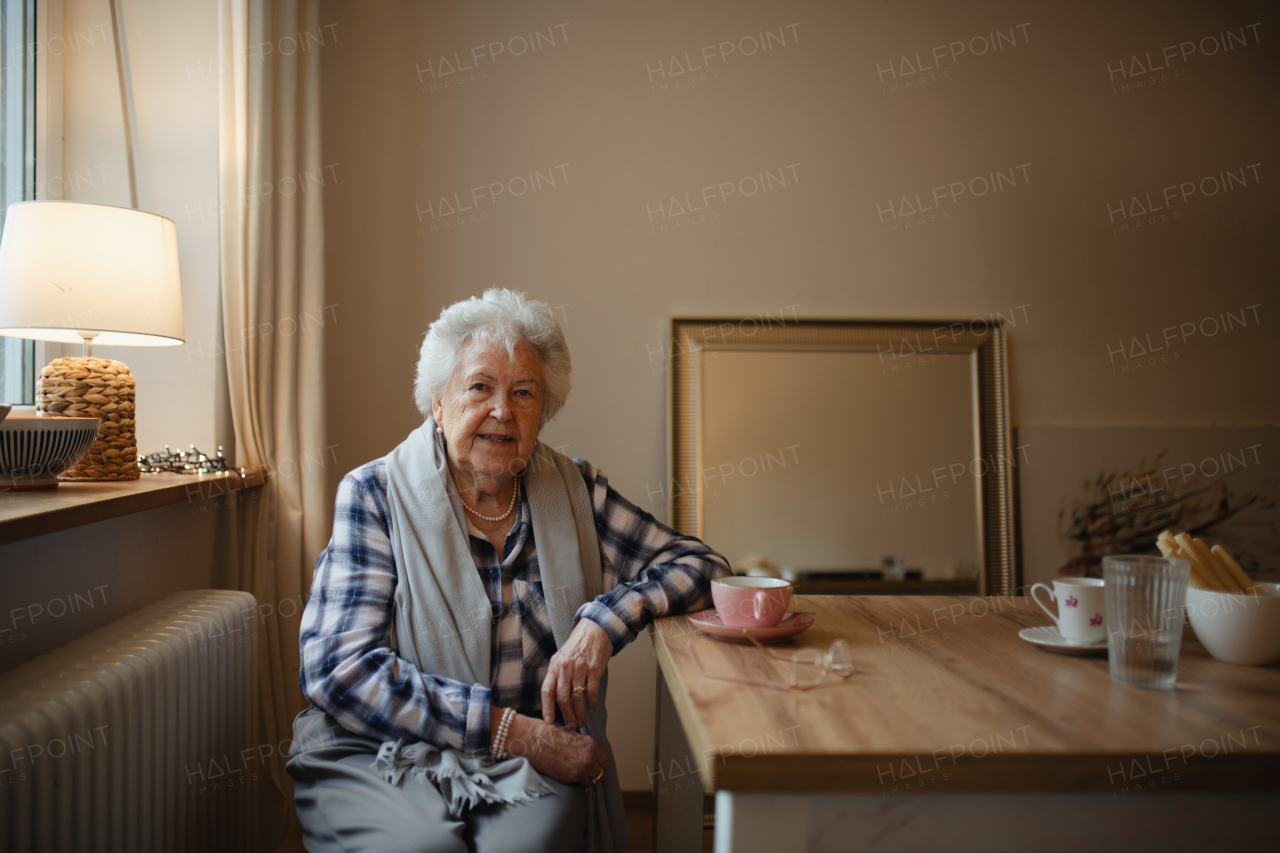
column 350, row 671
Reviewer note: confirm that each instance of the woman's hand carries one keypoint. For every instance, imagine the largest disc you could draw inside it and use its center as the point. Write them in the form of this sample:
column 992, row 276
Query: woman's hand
column 562, row 754
column 580, row 662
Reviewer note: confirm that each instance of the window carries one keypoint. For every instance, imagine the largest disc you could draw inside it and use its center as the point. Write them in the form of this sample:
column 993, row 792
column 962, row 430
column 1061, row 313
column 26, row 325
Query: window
column 17, row 167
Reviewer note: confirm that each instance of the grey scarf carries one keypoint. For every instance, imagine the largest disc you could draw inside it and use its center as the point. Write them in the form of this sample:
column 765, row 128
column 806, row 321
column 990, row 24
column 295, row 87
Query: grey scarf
column 442, row 615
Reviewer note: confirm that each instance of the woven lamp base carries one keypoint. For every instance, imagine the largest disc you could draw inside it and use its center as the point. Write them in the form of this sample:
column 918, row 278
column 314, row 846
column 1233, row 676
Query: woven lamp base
column 87, row 387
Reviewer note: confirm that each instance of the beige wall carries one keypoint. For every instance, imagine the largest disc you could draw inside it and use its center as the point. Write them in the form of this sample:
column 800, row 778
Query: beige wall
column 593, row 112
column 63, row 585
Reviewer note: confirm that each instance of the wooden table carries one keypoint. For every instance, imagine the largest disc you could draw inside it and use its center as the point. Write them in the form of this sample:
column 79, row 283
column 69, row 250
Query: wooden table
column 954, row 734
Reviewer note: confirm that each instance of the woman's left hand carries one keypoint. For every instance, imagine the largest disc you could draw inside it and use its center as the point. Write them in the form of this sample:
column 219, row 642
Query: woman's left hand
column 580, row 662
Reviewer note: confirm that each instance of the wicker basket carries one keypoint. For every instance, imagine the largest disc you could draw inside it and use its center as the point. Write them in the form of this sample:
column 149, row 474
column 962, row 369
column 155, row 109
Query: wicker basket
column 86, row 387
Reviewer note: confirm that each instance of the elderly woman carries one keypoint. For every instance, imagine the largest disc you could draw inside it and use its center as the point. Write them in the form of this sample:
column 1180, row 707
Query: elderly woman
column 455, row 643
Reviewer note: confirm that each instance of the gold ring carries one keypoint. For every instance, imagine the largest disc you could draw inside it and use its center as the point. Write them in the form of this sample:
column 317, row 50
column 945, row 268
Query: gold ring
column 579, row 690
column 598, row 778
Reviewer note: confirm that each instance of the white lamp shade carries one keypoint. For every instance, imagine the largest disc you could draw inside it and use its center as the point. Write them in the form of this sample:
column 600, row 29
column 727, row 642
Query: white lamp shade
column 68, row 267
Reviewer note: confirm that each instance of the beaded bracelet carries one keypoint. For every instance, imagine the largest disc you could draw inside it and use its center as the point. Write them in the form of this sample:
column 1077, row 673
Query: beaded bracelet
column 498, row 749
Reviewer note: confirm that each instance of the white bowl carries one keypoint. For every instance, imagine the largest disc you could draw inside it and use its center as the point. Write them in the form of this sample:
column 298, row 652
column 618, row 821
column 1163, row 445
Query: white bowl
column 1238, row 628
column 34, row 451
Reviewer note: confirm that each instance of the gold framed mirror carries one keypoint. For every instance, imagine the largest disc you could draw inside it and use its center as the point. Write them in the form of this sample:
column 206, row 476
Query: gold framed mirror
column 848, row 456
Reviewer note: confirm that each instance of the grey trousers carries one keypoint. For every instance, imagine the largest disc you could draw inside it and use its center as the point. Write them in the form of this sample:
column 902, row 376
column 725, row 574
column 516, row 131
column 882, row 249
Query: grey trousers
column 345, row 807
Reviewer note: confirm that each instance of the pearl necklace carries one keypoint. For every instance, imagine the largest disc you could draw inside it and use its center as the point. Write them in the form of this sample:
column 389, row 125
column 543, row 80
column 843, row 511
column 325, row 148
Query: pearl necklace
column 514, row 494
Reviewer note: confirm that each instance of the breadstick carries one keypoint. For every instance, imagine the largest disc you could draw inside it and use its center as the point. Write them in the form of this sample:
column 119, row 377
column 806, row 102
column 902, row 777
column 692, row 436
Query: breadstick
column 1218, row 578
column 1199, row 578
column 1169, row 547
column 1221, row 581
column 1202, row 550
column 1207, row 581
column 1233, row 567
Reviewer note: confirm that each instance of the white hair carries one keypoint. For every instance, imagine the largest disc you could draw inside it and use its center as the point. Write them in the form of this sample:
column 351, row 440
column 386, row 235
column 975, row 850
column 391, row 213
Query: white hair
column 500, row 317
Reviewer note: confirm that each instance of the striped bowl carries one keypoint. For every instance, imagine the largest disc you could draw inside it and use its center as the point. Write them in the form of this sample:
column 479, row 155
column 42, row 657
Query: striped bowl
column 34, row 451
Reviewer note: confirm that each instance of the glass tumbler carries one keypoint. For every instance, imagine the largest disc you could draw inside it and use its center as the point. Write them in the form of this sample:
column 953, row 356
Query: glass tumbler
column 1145, row 598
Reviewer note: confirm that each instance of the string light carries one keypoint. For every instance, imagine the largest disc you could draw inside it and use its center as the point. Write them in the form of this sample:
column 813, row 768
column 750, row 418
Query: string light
column 184, row 462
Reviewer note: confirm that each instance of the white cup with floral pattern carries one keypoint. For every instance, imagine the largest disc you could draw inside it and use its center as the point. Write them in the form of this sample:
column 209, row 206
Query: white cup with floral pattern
column 1082, row 608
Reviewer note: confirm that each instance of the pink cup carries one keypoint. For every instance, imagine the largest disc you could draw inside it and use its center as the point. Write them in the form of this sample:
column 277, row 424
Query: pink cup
column 747, row 602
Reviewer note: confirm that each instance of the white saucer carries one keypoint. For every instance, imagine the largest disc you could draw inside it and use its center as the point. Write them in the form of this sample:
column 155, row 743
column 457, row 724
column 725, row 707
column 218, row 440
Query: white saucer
column 1047, row 637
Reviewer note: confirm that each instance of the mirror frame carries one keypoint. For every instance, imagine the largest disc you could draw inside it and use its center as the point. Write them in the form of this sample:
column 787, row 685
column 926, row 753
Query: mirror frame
column 691, row 337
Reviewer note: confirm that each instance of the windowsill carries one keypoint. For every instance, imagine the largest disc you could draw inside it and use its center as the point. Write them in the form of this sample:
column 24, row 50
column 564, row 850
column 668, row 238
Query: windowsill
column 27, row 514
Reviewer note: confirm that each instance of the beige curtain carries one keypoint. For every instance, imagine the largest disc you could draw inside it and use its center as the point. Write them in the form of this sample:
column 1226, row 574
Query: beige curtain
column 272, row 240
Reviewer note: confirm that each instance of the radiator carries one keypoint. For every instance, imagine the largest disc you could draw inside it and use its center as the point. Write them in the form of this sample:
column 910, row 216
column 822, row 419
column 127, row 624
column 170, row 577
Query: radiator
column 139, row 736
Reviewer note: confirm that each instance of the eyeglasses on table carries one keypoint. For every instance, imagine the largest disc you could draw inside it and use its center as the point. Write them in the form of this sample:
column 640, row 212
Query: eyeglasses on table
column 808, row 669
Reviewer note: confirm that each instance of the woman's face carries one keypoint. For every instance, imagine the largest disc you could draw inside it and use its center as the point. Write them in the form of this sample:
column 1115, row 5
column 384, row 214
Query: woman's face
column 492, row 410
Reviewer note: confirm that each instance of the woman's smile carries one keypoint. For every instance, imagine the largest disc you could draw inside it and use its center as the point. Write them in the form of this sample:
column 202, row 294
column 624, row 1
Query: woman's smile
column 490, row 414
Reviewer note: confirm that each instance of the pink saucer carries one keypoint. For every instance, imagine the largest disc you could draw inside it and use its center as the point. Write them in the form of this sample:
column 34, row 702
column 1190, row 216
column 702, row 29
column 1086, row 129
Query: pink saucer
column 708, row 621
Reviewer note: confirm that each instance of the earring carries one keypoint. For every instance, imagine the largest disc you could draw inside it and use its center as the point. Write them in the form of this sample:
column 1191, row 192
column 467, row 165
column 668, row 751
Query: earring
column 440, row 430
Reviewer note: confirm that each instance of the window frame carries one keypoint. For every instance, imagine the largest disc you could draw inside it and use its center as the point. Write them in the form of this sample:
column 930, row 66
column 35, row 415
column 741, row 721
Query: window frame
column 43, row 143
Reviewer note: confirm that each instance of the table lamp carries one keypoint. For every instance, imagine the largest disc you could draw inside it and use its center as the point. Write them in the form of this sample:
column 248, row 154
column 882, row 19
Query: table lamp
column 72, row 272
